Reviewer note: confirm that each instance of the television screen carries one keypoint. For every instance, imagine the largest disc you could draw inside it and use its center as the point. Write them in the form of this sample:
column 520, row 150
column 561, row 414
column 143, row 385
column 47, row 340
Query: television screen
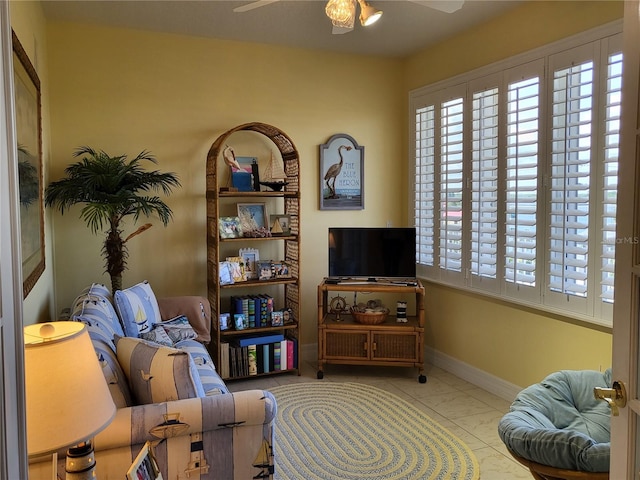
column 372, row 252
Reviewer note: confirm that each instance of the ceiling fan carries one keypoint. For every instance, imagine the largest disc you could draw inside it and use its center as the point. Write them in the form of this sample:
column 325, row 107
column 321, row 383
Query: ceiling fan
column 342, row 12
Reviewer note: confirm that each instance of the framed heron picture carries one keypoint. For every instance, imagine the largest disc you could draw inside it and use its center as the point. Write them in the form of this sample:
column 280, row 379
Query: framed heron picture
column 341, row 174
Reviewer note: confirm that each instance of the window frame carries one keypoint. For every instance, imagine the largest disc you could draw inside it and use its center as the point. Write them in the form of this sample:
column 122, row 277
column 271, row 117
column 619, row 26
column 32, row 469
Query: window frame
column 601, row 41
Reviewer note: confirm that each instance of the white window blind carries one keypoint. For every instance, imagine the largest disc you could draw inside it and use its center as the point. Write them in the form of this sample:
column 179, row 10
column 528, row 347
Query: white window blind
column 424, row 201
column 484, row 185
column 521, row 206
column 610, row 174
column 451, row 147
column 516, row 178
column 571, row 179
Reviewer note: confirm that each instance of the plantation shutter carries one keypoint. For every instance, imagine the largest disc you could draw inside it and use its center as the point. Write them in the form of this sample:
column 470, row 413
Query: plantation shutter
column 451, row 184
column 484, row 184
column 522, row 181
column 609, row 174
column 570, row 178
column 424, row 196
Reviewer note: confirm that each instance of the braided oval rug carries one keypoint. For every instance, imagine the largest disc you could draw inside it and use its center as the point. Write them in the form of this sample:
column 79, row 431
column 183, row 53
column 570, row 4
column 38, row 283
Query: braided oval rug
column 343, row 431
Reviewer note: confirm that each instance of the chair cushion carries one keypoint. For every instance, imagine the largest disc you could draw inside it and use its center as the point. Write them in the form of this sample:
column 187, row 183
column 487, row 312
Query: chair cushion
column 558, row 422
column 157, row 373
column 138, row 309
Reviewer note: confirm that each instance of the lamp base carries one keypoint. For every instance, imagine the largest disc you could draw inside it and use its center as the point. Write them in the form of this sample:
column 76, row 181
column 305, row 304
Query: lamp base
column 81, row 462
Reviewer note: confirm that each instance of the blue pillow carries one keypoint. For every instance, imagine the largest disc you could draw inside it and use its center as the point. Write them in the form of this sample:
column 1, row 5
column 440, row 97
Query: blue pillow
column 138, row 309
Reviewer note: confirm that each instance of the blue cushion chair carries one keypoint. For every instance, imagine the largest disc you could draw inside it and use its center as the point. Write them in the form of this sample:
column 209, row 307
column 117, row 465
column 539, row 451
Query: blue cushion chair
column 558, row 429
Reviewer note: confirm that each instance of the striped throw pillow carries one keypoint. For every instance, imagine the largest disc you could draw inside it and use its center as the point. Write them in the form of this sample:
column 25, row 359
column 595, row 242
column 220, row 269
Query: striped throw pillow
column 157, row 373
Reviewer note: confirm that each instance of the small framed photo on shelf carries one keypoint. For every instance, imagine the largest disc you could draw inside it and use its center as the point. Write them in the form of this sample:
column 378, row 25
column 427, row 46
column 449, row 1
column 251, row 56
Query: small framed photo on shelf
column 237, row 269
column 251, row 257
column 264, row 270
column 240, row 321
column 277, row 318
column 225, row 273
column 280, row 224
column 253, row 219
column 225, row 321
column 229, row 227
column 281, row 269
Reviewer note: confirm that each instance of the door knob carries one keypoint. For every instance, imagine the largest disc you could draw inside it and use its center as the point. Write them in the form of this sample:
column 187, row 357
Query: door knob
column 616, row 397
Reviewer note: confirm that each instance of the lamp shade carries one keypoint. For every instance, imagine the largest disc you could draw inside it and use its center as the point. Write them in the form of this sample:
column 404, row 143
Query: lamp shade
column 67, row 396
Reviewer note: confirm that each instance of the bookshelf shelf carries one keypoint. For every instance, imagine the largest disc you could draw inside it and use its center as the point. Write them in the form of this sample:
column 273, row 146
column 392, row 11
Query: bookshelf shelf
column 285, row 291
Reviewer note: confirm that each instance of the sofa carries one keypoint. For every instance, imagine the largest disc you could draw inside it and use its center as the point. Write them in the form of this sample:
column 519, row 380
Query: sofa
column 558, row 429
column 167, row 391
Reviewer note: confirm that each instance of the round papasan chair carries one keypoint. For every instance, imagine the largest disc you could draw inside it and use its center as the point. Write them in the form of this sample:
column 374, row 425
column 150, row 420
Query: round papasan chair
column 558, row 429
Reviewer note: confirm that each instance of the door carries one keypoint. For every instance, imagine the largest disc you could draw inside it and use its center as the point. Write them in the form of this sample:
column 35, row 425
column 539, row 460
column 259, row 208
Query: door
column 625, row 456
column 13, row 444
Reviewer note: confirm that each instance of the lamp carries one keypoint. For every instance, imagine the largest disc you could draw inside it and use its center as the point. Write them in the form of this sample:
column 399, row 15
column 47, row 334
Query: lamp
column 343, row 12
column 368, row 14
column 67, row 397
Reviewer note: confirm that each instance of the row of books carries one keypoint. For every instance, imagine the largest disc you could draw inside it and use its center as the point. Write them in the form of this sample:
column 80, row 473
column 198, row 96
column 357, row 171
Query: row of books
column 257, row 309
column 257, row 355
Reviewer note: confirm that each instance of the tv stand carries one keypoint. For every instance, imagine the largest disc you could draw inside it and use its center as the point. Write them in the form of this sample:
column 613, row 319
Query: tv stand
column 390, row 343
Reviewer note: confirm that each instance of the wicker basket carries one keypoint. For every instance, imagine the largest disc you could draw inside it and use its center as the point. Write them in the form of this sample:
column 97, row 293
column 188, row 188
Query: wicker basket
column 369, row 318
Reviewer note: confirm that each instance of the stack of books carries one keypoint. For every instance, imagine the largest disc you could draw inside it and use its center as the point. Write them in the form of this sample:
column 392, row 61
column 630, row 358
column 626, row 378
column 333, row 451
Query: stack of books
column 258, row 354
column 256, row 308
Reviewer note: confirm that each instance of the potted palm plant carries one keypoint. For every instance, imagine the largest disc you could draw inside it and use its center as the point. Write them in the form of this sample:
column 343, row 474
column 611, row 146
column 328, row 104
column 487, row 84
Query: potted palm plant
column 112, row 188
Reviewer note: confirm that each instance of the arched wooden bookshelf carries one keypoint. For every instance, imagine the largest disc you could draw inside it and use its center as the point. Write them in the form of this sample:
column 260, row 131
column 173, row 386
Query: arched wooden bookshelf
column 288, row 288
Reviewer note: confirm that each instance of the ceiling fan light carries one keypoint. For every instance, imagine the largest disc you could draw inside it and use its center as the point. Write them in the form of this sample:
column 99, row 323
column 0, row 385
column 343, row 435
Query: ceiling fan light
column 368, row 14
column 341, row 12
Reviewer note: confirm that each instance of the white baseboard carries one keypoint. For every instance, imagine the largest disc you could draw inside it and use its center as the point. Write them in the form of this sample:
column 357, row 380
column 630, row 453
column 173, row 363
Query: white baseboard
column 469, row 373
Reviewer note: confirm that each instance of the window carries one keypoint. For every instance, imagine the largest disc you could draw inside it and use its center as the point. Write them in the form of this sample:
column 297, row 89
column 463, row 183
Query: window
column 516, row 177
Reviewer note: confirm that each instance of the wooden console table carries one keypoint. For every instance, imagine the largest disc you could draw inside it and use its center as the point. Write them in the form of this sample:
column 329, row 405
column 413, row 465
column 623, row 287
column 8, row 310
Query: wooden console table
column 391, row 343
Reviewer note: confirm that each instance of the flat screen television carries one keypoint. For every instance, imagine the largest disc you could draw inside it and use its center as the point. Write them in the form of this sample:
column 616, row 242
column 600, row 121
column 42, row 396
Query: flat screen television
column 372, row 253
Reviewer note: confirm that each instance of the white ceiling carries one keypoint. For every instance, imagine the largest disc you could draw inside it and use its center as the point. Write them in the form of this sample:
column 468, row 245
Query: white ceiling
column 404, row 28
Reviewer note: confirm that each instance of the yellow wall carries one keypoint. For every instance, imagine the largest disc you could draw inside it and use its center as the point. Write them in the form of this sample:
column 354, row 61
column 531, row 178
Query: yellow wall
column 28, row 22
column 124, row 90
column 518, row 345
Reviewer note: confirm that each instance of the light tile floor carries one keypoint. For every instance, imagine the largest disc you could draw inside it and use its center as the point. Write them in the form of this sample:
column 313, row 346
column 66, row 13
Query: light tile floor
column 469, row 412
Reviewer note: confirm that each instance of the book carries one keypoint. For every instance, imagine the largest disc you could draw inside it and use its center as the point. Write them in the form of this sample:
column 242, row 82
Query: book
column 277, row 366
column 283, row 355
column 252, row 360
column 290, row 360
column 266, row 358
column 259, row 339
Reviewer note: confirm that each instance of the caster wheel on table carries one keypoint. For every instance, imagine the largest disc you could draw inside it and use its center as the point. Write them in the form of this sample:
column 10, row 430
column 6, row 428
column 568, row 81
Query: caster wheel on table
column 320, row 375
column 422, row 379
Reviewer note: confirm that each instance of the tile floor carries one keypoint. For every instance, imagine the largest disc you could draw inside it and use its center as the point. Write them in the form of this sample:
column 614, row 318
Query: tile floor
column 469, row 412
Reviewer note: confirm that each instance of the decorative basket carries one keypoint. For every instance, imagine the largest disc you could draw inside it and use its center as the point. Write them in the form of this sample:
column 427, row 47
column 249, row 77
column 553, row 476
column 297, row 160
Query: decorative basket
column 370, row 318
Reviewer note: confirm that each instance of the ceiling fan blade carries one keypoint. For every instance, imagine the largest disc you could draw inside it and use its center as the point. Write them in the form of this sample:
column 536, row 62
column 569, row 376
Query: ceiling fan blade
column 252, row 5
column 447, row 6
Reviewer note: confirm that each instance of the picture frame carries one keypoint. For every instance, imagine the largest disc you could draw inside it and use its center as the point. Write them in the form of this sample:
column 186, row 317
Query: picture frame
column 28, row 119
column 238, row 271
column 277, row 318
column 145, row 465
column 280, row 224
column 229, row 227
column 281, row 269
column 265, row 271
column 341, row 174
column 253, row 216
column 251, row 257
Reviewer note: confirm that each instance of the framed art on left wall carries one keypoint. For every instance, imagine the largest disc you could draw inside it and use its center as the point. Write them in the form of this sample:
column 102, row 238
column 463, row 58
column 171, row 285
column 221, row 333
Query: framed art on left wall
column 28, row 120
